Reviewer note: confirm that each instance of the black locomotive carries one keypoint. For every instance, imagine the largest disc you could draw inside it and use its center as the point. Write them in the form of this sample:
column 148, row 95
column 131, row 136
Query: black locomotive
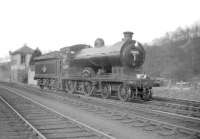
column 106, row 70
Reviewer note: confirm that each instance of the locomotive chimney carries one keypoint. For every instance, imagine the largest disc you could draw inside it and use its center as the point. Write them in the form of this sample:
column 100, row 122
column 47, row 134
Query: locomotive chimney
column 128, row 35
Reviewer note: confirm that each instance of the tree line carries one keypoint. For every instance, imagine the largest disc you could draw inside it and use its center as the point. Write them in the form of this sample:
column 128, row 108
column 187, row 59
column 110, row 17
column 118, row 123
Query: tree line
column 176, row 55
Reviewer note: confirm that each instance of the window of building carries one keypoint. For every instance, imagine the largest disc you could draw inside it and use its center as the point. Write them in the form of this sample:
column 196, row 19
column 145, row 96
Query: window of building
column 23, row 59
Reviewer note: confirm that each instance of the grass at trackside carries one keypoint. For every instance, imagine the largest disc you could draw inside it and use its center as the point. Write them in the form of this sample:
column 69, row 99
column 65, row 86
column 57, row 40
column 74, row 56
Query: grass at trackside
column 188, row 93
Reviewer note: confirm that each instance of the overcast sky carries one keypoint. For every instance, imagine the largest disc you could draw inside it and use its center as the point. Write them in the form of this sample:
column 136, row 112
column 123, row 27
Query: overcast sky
column 52, row 24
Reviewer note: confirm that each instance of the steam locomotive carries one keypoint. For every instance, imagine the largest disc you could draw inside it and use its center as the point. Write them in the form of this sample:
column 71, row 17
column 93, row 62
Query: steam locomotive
column 114, row 70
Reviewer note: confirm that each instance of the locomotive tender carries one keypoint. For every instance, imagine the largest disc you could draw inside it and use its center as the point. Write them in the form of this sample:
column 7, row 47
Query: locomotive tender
column 106, row 70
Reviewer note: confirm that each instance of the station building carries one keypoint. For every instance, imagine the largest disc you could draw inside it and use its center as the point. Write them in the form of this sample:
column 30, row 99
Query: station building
column 19, row 67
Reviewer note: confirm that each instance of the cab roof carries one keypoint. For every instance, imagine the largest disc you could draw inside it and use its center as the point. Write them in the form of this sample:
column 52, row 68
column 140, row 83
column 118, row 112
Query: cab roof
column 51, row 55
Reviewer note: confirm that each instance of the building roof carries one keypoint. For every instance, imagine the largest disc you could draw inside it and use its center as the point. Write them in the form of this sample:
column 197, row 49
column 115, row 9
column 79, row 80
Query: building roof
column 23, row 50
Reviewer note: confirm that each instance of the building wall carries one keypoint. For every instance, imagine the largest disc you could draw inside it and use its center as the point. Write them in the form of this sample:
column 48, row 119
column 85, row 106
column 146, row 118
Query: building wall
column 5, row 71
column 31, row 75
column 28, row 58
column 19, row 71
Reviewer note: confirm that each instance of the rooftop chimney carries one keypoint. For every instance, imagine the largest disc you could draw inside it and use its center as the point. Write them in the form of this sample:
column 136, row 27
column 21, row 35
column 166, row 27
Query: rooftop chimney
column 128, row 35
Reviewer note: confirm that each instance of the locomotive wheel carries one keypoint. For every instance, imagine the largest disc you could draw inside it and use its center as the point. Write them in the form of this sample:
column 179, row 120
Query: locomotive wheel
column 71, row 86
column 88, row 89
column 66, row 87
column 41, row 86
column 150, row 94
column 147, row 95
column 49, row 87
column 106, row 91
column 124, row 93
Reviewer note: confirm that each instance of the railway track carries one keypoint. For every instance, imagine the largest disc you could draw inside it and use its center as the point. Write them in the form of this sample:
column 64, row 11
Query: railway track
column 46, row 122
column 13, row 125
column 161, row 122
column 180, row 107
column 187, row 108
